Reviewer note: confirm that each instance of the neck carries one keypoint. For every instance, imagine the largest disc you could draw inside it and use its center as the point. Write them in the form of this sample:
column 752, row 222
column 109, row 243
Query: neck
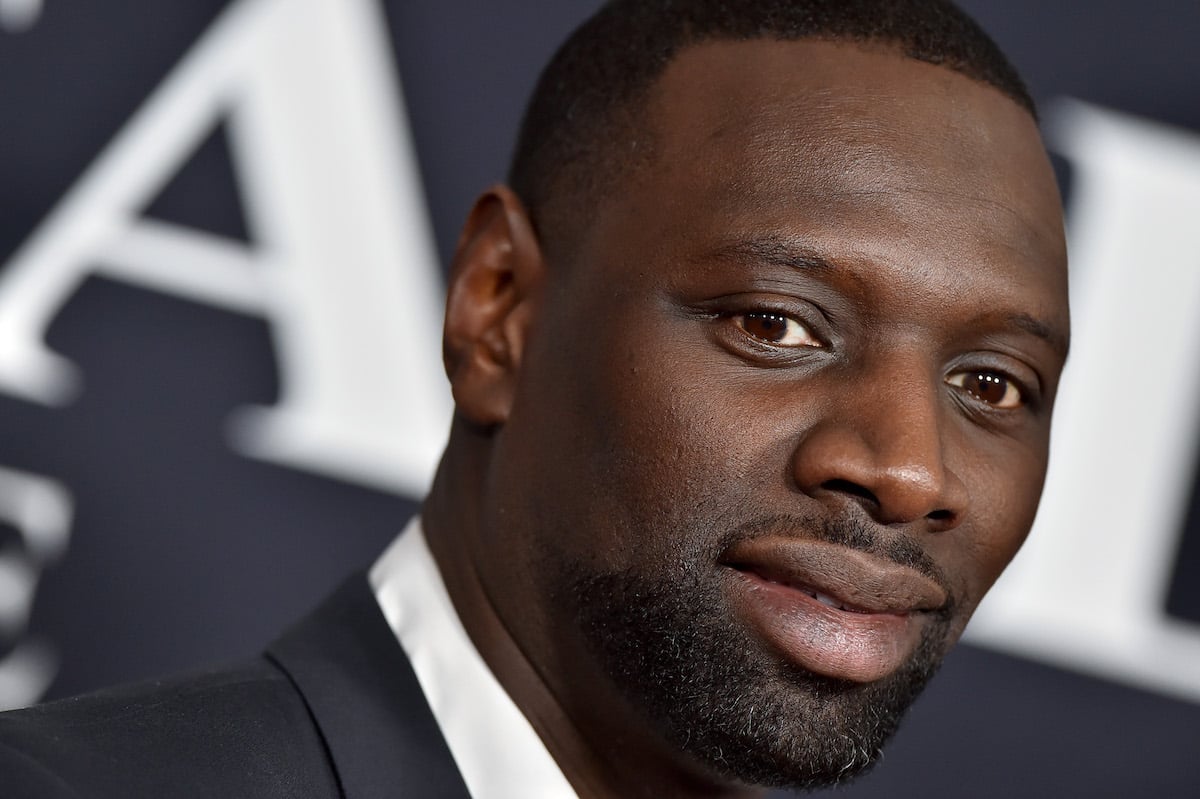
column 604, row 748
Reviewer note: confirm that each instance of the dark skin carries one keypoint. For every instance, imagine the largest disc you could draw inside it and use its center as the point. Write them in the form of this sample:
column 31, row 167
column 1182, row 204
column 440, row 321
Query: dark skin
column 836, row 291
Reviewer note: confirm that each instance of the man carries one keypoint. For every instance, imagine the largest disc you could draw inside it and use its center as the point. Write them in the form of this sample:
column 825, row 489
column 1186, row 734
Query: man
column 753, row 365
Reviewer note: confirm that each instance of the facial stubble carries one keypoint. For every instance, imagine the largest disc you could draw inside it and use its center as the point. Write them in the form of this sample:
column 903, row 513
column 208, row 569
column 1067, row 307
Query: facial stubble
column 672, row 645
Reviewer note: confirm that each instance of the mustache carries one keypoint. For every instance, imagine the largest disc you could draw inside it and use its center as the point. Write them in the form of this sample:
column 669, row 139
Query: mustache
column 851, row 532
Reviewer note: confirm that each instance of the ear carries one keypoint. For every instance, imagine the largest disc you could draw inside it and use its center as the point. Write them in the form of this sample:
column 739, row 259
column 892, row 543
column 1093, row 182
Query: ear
column 494, row 282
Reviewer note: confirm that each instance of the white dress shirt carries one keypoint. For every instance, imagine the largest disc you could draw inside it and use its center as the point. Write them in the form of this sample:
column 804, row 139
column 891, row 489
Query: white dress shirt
column 496, row 749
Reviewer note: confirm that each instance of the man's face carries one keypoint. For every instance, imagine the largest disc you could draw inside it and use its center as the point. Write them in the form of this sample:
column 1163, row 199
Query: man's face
column 783, row 414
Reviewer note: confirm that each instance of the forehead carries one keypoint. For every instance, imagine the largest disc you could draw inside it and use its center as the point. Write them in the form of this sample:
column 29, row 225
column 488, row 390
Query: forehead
column 878, row 158
column 834, row 116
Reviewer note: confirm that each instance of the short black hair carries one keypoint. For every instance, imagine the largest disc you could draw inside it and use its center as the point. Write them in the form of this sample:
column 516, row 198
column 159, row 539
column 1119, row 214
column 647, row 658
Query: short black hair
column 582, row 123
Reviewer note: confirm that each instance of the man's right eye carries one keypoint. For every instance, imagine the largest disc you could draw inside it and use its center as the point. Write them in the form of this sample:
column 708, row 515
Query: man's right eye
column 776, row 329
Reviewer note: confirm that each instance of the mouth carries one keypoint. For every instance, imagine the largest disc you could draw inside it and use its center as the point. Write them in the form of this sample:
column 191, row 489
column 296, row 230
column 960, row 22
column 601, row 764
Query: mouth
column 824, row 599
column 830, row 610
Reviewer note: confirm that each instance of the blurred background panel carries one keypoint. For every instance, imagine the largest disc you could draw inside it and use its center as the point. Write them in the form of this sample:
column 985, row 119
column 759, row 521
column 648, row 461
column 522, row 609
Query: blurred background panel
column 223, row 232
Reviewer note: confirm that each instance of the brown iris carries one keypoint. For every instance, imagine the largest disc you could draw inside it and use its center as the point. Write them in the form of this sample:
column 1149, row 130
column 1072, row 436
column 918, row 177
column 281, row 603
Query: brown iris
column 766, row 326
column 987, row 386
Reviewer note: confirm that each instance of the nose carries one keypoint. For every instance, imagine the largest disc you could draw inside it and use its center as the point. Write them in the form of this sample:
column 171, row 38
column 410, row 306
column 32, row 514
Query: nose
column 883, row 447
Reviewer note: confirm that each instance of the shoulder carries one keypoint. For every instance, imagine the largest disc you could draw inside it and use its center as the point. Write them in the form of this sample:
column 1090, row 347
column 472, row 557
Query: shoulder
column 242, row 730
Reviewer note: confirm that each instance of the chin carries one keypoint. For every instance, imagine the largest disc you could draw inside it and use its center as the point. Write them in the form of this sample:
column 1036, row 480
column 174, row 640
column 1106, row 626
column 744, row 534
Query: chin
column 715, row 690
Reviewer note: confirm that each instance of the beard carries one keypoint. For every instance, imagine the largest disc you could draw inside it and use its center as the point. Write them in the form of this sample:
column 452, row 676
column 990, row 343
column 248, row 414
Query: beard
column 672, row 644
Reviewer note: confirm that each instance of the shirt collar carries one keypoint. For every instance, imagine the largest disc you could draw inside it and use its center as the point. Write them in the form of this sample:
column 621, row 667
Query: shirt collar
column 495, row 747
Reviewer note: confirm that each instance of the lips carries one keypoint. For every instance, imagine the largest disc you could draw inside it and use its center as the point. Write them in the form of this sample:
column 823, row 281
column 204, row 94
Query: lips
column 831, row 610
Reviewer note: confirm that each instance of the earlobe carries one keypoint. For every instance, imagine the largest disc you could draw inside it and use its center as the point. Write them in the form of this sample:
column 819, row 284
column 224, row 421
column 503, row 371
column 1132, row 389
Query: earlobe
column 494, row 281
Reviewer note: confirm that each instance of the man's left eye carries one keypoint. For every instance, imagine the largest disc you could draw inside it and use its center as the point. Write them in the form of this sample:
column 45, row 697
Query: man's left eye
column 777, row 329
column 993, row 388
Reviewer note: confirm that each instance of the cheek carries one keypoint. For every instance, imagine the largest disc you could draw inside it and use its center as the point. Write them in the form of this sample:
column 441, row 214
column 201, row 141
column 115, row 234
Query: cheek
column 669, row 450
column 1004, row 502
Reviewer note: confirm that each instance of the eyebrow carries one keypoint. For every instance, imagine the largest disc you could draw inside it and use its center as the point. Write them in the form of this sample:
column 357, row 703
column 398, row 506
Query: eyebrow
column 775, row 250
column 1036, row 327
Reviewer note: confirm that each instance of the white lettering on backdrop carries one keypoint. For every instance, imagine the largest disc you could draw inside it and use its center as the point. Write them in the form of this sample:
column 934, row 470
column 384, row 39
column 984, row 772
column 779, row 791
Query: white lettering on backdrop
column 18, row 16
column 342, row 266
column 40, row 510
column 1088, row 591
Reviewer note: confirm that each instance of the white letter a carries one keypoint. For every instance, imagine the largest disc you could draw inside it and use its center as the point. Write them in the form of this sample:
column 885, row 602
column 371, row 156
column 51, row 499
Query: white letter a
column 343, row 267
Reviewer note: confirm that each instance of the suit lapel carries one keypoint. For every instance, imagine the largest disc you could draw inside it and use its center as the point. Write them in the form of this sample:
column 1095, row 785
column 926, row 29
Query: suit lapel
column 366, row 701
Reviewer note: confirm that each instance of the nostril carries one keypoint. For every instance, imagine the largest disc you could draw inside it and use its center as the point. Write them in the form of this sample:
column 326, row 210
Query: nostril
column 942, row 520
column 853, row 489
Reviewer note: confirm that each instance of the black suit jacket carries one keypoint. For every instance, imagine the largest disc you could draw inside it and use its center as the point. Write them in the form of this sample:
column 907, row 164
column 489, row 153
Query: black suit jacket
column 332, row 709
